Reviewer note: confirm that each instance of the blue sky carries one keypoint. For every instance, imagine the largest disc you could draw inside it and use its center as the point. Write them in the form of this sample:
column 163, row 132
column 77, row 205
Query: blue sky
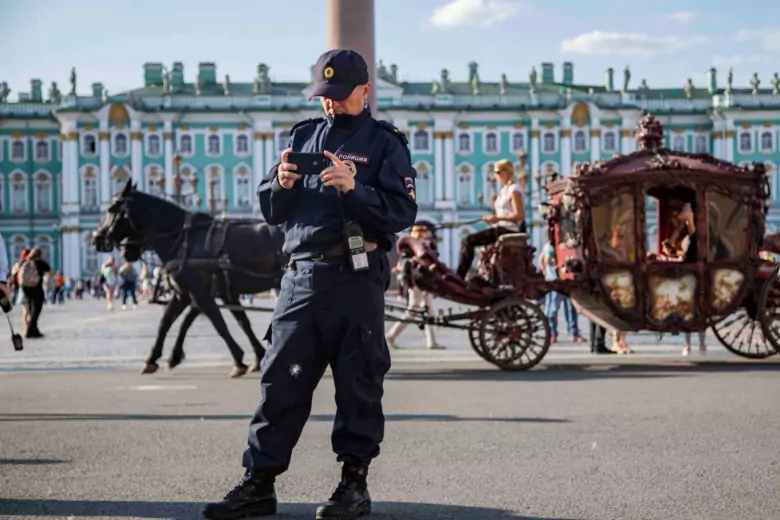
column 663, row 41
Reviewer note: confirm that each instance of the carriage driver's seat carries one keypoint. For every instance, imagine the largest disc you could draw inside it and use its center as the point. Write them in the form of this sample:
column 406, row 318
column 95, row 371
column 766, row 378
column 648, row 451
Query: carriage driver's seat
column 514, row 238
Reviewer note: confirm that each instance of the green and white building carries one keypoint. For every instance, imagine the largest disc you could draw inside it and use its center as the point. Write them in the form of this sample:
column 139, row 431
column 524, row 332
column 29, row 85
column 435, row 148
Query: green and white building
column 63, row 155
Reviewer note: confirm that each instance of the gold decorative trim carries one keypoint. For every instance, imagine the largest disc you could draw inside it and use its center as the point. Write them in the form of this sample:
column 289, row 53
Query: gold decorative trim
column 579, row 124
column 40, row 135
column 717, row 135
column 241, row 127
column 136, row 136
column 678, row 130
column 421, row 126
column 88, row 128
column 463, row 126
column 492, row 127
column 730, row 134
column 767, row 124
column 610, row 124
column 745, row 126
column 442, row 135
column 167, row 135
column 535, row 134
column 184, row 127
column 213, row 129
column 627, row 133
column 518, row 125
column 119, row 126
column 152, row 128
column 285, row 125
column 69, row 229
column 17, row 135
column 105, row 136
column 595, row 133
column 566, row 133
column 549, row 125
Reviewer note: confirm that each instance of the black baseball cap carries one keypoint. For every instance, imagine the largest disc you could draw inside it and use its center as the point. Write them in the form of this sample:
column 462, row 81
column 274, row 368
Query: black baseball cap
column 337, row 73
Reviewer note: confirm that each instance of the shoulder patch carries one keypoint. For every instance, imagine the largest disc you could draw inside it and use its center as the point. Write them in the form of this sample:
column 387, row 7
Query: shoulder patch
column 307, row 122
column 393, row 130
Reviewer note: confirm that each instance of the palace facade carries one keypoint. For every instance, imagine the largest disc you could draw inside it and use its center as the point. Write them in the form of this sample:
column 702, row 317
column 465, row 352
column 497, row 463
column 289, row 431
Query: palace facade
column 208, row 142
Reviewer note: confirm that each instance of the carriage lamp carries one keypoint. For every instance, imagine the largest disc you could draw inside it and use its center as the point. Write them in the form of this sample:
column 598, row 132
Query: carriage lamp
column 161, row 183
column 225, row 203
column 212, row 201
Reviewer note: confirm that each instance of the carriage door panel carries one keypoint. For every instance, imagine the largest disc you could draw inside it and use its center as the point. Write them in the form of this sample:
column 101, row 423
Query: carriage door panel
column 727, row 249
column 614, row 231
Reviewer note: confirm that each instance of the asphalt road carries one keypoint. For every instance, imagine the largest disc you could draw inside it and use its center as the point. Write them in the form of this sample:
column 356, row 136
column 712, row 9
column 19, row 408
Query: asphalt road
column 644, row 437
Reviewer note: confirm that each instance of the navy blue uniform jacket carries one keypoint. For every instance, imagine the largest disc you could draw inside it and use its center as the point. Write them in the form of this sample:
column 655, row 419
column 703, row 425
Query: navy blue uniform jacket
column 383, row 201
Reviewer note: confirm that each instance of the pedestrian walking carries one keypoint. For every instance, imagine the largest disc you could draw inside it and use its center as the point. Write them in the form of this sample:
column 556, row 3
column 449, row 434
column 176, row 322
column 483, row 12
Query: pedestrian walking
column 30, row 278
column 340, row 224
column 129, row 277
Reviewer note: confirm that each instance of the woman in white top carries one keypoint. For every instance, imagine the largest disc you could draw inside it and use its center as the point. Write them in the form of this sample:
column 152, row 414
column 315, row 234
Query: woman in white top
column 508, row 217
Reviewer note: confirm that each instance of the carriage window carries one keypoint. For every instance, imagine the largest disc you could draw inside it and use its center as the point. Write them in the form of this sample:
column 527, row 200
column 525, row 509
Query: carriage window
column 613, row 226
column 728, row 233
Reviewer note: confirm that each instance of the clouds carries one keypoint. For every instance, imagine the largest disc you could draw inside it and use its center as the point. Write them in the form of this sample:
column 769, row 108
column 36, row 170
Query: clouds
column 474, row 13
column 769, row 37
column 636, row 44
column 735, row 60
column 684, row 17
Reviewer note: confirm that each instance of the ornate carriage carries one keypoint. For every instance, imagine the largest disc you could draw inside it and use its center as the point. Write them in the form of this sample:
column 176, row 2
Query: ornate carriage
column 598, row 221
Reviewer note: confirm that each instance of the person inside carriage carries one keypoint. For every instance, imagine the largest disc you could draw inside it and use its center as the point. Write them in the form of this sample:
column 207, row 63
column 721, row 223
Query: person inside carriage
column 508, row 216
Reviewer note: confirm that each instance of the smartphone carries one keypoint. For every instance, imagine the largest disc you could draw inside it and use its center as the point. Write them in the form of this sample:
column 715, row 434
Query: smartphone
column 308, row 163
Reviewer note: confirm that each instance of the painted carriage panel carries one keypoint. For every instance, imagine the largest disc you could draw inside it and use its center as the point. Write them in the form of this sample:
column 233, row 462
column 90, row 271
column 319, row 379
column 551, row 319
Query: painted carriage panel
column 619, row 288
column 673, row 298
column 727, row 287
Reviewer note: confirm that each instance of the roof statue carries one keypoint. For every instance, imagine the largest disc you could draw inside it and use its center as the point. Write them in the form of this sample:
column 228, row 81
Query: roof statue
column 73, row 81
column 166, row 79
column 688, row 88
column 226, row 84
column 54, row 93
column 532, row 79
column 755, row 83
column 775, row 84
column 503, row 85
column 626, row 79
column 5, row 90
column 730, row 81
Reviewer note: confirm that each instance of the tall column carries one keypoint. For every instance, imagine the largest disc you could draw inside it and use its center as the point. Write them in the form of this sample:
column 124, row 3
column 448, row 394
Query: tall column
column 170, row 186
column 136, row 153
column 270, row 151
column 449, row 166
column 728, row 144
column 70, row 230
column 595, row 144
column 535, row 150
column 260, row 161
column 351, row 26
column 105, row 166
column 438, row 167
column 565, row 150
column 626, row 141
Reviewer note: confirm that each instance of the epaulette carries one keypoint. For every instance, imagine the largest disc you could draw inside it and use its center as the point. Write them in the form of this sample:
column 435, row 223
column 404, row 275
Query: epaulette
column 395, row 131
column 307, row 122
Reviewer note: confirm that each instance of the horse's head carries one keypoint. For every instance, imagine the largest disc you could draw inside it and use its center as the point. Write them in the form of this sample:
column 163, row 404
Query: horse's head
column 117, row 228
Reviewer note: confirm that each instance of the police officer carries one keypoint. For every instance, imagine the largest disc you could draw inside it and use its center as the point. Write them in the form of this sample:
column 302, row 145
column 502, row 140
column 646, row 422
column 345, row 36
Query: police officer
column 330, row 311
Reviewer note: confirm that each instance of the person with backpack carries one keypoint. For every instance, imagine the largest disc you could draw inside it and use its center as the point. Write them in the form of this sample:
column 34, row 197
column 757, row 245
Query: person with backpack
column 30, row 279
column 108, row 275
column 129, row 277
column 19, row 298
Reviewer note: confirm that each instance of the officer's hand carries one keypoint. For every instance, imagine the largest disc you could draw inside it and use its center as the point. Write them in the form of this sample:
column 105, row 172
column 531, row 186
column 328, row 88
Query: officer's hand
column 337, row 175
column 287, row 175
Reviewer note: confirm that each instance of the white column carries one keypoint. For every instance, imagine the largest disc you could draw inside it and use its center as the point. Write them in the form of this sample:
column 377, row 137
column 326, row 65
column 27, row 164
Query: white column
column 449, row 166
column 565, row 149
column 270, row 152
column 170, row 187
column 261, row 161
column 626, row 142
column 535, row 151
column 595, row 144
column 136, row 153
column 105, row 167
column 728, row 144
column 438, row 167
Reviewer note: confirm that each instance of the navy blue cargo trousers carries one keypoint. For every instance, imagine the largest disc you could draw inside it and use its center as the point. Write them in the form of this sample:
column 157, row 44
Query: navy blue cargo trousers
column 326, row 315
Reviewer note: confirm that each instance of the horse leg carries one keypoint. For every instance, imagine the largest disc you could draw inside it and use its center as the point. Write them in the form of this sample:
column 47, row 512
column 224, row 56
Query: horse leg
column 177, row 354
column 172, row 311
column 209, row 307
column 246, row 325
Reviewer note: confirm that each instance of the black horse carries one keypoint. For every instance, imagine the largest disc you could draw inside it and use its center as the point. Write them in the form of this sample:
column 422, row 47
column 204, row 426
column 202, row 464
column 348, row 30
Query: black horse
column 206, row 258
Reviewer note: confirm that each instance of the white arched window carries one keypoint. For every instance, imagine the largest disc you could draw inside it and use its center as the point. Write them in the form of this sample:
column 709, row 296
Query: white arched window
column 678, row 143
column 120, row 144
column 45, row 245
column 283, row 140
column 215, row 193
column 185, row 144
column 745, row 142
column 213, row 145
column 43, row 192
column 42, row 151
column 489, row 188
column 17, row 150
column 465, row 185
column 518, row 141
column 18, row 192
column 243, row 189
column 421, row 141
column 90, row 258
column 119, row 180
column 89, row 187
column 464, row 143
column 700, row 144
column 88, row 145
column 491, row 142
column 154, row 180
column 424, row 183
column 242, row 144
column 18, row 244
column 153, row 148
column 767, row 142
column 548, row 142
column 189, row 187
column 580, row 143
column 610, row 143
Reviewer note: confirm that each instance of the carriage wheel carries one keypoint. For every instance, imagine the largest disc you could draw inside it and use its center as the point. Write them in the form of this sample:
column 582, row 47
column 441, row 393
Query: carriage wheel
column 769, row 310
column 515, row 334
column 743, row 336
column 476, row 344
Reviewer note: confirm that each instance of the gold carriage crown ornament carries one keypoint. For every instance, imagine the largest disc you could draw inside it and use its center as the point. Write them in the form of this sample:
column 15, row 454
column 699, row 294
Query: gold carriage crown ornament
column 649, row 134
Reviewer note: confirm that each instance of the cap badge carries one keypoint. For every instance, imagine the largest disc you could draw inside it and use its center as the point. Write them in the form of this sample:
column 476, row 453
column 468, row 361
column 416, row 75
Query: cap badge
column 328, row 73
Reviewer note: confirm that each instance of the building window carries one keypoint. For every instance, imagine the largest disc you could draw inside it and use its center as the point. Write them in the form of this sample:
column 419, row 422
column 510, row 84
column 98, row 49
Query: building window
column 185, row 144
column 119, row 180
column 283, row 140
column 421, row 140
column 18, row 193
column 90, row 259
column 153, row 180
column 423, row 183
column 17, row 150
column 745, row 142
column 465, row 185
column 580, row 143
column 213, row 147
column 19, row 245
column 153, row 145
column 242, row 145
column 678, row 143
column 42, row 151
column 548, row 141
column 491, row 142
column 610, row 143
column 464, row 143
column 44, row 244
column 767, row 142
column 243, row 189
column 701, row 145
column 43, row 193
column 518, row 142
column 120, row 144
column 89, row 188
column 88, row 145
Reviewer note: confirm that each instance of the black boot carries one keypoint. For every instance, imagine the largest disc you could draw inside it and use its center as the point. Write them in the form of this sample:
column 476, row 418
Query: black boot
column 253, row 496
column 350, row 500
